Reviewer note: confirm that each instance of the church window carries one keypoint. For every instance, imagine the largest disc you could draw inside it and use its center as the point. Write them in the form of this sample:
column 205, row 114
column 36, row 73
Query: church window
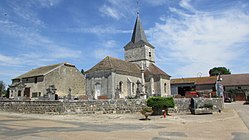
column 19, row 93
column 149, row 54
column 165, row 87
column 121, row 86
column 133, row 88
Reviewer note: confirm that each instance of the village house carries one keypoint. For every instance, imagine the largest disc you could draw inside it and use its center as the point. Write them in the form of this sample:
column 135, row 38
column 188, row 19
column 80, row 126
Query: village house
column 63, row 78
column 183, row 86
column 234, row 85
column 136, row 76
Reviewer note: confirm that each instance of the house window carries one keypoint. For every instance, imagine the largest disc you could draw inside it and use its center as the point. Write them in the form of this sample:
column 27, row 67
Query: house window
column 239, row 87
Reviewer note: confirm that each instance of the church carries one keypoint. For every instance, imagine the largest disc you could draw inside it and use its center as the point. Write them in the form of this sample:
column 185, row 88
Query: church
column 135, row 77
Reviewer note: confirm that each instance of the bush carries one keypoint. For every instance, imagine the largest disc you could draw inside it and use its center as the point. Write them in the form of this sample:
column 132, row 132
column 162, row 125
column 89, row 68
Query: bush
column 161, row 102
column 208, row 106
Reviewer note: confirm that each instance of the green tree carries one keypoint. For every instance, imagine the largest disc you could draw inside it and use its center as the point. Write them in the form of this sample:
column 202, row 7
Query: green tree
column 82, row 71
column 219, row 70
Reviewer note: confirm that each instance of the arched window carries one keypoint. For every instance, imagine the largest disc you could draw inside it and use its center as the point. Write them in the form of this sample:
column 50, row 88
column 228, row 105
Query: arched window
column 120, row 86
column 165, row 87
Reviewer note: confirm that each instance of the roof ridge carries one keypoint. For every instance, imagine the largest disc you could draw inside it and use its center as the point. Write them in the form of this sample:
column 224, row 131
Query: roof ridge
column 109, row 61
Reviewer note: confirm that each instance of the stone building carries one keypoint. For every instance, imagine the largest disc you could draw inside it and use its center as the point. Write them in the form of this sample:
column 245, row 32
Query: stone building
column 136, row 76
column 64, row 77
column 202, row 85
column 236, row 86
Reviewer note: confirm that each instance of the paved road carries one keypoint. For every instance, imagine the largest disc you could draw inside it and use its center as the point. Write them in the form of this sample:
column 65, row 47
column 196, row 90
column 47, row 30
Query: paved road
column 226, row 125
column 242, row 110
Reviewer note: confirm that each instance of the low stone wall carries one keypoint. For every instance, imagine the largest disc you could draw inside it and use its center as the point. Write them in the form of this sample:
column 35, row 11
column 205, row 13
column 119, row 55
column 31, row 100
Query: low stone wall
column 74, row 107
column 97, row 106
column 183, row 104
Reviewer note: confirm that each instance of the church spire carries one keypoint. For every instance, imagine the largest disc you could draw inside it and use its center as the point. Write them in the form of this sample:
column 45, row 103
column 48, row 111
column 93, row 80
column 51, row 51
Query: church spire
column 138, row 32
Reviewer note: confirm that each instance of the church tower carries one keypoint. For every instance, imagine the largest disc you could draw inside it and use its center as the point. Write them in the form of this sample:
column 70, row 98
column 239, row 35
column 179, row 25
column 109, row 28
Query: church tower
column 139, row 50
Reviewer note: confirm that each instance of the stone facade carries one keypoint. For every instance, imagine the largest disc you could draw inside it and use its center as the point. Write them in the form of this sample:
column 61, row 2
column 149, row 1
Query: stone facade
column 62, row 76
column 104, row 83
column 136, row 76
column 140, row 54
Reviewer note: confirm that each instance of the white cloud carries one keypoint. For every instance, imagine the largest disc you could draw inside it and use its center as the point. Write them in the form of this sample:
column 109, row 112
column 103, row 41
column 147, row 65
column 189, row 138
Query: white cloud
column 117, row 9
column 110, row 44
column 107, row 48
column 8, row 60
column 99, row 30
column 200, row 41
column 110, row 11
column 48, row 3
column 156, row 2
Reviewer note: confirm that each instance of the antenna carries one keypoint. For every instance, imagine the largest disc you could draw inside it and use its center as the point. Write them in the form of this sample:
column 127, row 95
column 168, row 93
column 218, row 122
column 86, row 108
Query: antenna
column 138, row 7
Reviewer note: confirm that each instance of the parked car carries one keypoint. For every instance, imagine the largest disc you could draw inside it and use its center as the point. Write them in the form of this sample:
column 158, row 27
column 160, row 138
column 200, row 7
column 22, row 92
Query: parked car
column 227, row 100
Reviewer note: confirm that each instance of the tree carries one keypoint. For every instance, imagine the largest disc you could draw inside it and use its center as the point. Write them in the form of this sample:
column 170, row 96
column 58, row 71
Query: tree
column 82, row 71
column 219, row 70
column 2, row 88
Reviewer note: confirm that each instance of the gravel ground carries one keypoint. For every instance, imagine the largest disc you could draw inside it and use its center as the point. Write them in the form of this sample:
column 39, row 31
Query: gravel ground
column 226, row 125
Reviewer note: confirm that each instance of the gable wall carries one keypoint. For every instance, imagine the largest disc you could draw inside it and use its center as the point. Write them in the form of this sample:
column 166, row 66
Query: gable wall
column 104, row 79
column 66, row 77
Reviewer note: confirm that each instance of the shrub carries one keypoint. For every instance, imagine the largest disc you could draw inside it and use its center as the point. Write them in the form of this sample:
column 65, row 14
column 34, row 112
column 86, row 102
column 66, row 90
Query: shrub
column 208, row 106
column 161, row 102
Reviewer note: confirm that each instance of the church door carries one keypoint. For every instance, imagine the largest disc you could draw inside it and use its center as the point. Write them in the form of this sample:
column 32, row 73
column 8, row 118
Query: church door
column 97, row 90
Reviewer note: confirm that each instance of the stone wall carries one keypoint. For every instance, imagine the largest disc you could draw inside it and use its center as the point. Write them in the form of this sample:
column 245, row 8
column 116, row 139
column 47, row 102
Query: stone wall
column 97, row 106
column 182, row 104
column 74, row 107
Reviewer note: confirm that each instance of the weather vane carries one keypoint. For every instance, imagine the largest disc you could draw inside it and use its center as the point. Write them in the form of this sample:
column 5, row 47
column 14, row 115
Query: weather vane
column 137, row 7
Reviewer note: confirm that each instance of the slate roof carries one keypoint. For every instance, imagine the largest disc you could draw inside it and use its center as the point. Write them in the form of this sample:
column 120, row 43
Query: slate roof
column 117, row 65
column 41, row 71
column 195, row 80
column 138, row 32
column 154, row 70
column 138, row 36
column 235, row 79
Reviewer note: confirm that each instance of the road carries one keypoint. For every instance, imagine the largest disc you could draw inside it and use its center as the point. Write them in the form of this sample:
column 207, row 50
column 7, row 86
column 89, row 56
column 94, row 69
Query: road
column 242, row 110
column 231, row 123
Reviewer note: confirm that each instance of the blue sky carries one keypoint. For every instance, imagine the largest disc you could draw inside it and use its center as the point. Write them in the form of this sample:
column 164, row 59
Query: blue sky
column 190, row 36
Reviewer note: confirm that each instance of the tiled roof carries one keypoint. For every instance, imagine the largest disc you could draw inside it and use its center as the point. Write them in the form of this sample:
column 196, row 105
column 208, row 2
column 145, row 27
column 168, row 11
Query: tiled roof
column 40, row 71
column 194, row 80
column 235, row 79
column 154, row 70
column 117, row 65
